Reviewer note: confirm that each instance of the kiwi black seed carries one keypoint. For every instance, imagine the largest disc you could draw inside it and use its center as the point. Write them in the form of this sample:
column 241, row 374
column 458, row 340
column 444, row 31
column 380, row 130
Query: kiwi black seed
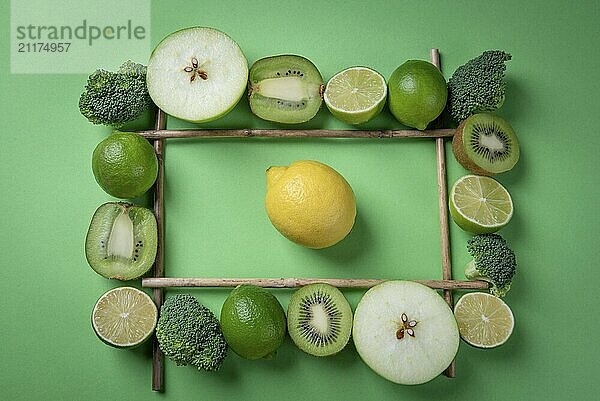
column 319, row 319
column 121, row 241
column 486, row 144
column 285, row 89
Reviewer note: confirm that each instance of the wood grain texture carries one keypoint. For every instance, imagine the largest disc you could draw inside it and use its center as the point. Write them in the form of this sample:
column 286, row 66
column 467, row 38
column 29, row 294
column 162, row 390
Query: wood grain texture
column 159, row 209
column 293, row 133
column 434, row 55
column 293, row 282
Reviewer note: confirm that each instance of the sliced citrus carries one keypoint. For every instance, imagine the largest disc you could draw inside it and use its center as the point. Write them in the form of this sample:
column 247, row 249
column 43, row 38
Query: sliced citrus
column 355, row 95
column 124, row 317
column 484, row 321
column 480, row 204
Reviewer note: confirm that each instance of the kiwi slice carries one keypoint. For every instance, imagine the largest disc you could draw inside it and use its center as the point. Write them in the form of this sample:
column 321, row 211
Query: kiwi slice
column 486, row 144
column 121, row 241
column 319, row 319
column 285, row 89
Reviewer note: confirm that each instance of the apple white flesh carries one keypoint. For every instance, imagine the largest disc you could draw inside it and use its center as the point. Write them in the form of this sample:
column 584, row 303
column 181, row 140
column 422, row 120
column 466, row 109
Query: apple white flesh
column 197, row 74
column 405, row 332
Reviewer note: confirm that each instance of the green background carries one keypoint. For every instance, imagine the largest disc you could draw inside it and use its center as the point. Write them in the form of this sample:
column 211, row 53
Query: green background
column 216, row 224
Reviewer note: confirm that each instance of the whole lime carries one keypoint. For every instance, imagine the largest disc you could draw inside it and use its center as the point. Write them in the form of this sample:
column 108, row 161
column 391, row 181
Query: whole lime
column 125, row 165
column 417, row 93
column 253, row 322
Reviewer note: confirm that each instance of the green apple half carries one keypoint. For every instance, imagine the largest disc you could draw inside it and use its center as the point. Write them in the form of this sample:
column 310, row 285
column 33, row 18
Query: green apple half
column 197, row 74
column 405, row 332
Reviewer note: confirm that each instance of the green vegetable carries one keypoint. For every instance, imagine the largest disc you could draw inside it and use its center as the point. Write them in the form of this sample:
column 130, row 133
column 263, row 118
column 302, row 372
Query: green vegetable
column 478, row 86
column 493, row 261
column 190, row 334
column 114, row 98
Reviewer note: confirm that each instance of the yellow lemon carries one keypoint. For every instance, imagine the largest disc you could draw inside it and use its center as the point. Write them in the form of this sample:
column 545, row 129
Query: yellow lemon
column 310, row 203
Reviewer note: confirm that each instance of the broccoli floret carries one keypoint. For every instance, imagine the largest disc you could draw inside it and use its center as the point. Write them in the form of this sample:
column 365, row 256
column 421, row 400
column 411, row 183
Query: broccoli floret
column 129, row 67
column 190, row 334
column 114, row 98
column 493, row 261
column 478, row 86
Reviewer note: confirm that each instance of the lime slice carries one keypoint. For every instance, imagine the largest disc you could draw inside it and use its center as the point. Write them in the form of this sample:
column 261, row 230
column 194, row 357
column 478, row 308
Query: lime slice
column 124, row 317
column 484, row 321
column 355, row 95
column 480, row 205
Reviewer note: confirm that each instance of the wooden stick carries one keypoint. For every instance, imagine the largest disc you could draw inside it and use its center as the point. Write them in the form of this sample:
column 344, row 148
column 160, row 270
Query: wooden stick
column 434, row 55
column 293, row 282
column 443, row 206
column 159, row 208
column 290, row 133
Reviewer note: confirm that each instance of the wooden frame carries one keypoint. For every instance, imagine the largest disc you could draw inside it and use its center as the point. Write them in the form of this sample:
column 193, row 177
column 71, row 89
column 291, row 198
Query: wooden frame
column 158, row 282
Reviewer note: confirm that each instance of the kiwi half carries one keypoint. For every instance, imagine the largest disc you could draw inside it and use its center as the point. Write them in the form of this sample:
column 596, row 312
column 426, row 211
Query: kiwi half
column 486, row 144
column 121, row 241
column 285, row 88
column 319, row 319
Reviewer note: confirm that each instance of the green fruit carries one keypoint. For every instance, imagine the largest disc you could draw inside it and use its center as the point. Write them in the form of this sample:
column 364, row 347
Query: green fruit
column 484, row 321
column 121, row 241
column 124, row 317
column 197, row 74
column 319, row 319
column 355, row 95
column 417, row 93
column 479, row 204
column 285, row 89
column 125, row 165
column 405, row 332
column 253, row 322
column 486, row 144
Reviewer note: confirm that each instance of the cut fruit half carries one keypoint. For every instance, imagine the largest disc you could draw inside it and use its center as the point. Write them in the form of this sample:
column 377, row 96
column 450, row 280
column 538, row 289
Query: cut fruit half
column 405, row 332
column 197, row 74
column 122, row 240
column 356, row 95
column 319, row 319
column 486, row 144
column 124, row 317
column 484, row 321
column 285, row 89
column 480, row 205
